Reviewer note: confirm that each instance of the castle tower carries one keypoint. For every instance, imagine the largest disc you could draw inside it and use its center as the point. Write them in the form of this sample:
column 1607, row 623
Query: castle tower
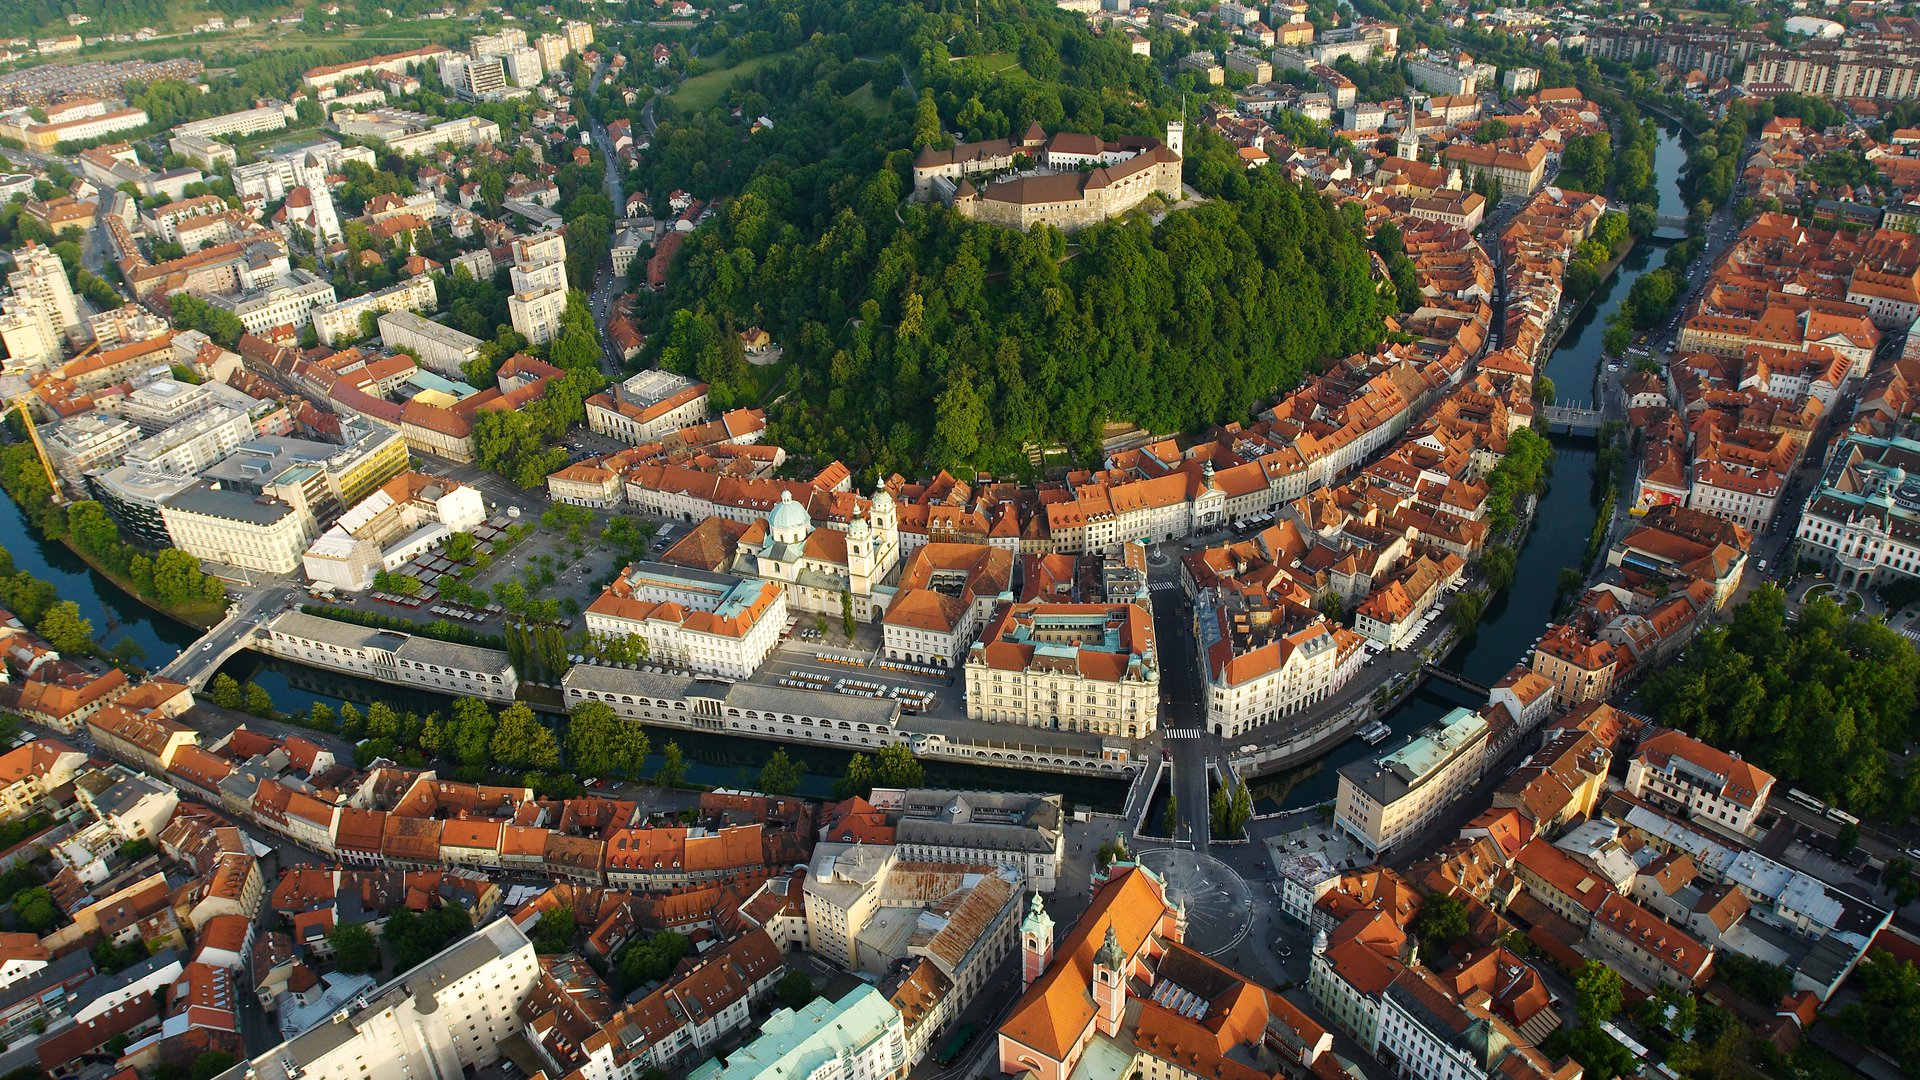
column 1177, row 137
column 1109, row 986
column 1036, row 942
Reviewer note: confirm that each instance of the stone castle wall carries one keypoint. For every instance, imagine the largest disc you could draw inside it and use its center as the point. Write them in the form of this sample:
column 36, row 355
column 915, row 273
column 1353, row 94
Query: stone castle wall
column 1097, row 206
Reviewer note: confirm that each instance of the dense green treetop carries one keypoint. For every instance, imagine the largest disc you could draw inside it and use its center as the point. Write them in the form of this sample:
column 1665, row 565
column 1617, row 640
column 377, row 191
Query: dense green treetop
column 917, row 340
column 1821, row 700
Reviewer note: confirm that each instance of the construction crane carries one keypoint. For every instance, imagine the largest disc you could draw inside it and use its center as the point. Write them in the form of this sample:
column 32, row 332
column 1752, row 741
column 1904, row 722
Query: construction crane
column 19, row 405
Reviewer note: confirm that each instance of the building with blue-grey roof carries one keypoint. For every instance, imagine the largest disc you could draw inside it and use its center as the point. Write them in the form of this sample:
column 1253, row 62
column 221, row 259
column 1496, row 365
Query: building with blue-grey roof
column 857, row 1037
column 240, row 529
column 1387, row 800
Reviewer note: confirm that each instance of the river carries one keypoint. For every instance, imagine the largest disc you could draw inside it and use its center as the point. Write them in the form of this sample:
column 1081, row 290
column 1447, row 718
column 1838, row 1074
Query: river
column 1669, row 158
column 1562, row 525
column 115, row 615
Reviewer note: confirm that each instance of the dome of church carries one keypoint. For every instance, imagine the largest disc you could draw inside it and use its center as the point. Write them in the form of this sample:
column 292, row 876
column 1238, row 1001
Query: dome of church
column 881, row 502
column 788, row 516
column 857, row 528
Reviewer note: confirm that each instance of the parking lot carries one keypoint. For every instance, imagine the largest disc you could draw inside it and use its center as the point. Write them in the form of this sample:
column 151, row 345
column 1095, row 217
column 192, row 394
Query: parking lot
column 568, row 564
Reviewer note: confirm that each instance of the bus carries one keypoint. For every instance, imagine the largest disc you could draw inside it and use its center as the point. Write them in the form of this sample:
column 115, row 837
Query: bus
column 1805, row 800
column 955, row 1045
column 1834, row 813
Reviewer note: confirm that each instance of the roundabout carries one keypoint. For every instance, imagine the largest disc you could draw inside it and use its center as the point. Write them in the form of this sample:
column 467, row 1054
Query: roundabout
column 1219, row 903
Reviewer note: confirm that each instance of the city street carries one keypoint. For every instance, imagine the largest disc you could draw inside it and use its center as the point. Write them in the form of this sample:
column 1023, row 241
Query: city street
column 195, row 666
column 602, row 294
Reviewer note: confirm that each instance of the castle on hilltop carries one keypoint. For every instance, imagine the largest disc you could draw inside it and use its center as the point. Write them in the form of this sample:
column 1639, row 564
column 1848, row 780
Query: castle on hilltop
column 1069, row 180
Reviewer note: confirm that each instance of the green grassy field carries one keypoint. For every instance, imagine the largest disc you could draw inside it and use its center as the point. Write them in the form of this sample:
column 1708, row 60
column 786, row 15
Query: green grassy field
column 766, row 381
column 994, row 63
column 703, row 91
column 278, row 140
column 386, row 37
column 865, row 100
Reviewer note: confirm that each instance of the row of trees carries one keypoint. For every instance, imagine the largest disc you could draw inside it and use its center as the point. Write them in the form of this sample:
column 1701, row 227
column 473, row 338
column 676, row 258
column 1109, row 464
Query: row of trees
column 1586, row 271
column 229, row 693
column 481, row 741
column 1229, row 809
column 537, row 651
column 597, row 743
column 1713, row 163
column 36, row 603
column 169, row 576
column 1519, row 474
column 892, row 767
column 1587, row 162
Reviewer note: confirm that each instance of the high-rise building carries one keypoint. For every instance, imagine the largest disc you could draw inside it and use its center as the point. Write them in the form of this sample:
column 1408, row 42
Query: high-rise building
column 39, row 310
column 536, row 315
column 552, row 49
column 451, row 1014
column 539, row 286
column 538, row 277
column 523, row 67
column 579, row 35
column 486, row 78
column 499, row 44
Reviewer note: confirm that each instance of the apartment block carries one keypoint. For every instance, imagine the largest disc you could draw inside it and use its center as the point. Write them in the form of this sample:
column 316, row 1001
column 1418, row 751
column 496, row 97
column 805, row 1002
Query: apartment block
column 1385, row 801
column 451, row 1014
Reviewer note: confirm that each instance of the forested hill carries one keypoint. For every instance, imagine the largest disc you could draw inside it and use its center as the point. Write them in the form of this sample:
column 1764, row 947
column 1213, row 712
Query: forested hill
column 917, row 340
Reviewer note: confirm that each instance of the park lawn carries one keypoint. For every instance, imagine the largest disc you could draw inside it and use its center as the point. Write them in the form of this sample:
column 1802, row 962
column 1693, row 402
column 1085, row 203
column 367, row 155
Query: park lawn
column 703, row 91
column 267, row 38
column 994, row 63
column 280, row 140
column 763, row 381
column 866, row 101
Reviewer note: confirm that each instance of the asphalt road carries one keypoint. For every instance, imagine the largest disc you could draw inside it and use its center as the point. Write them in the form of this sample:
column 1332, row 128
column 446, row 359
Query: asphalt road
column 196, row 665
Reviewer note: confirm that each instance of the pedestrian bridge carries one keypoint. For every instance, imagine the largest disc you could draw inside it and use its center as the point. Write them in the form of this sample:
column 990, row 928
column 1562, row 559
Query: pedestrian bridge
column 1570, row 420
column 1671, row 221
column 1434, row 671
